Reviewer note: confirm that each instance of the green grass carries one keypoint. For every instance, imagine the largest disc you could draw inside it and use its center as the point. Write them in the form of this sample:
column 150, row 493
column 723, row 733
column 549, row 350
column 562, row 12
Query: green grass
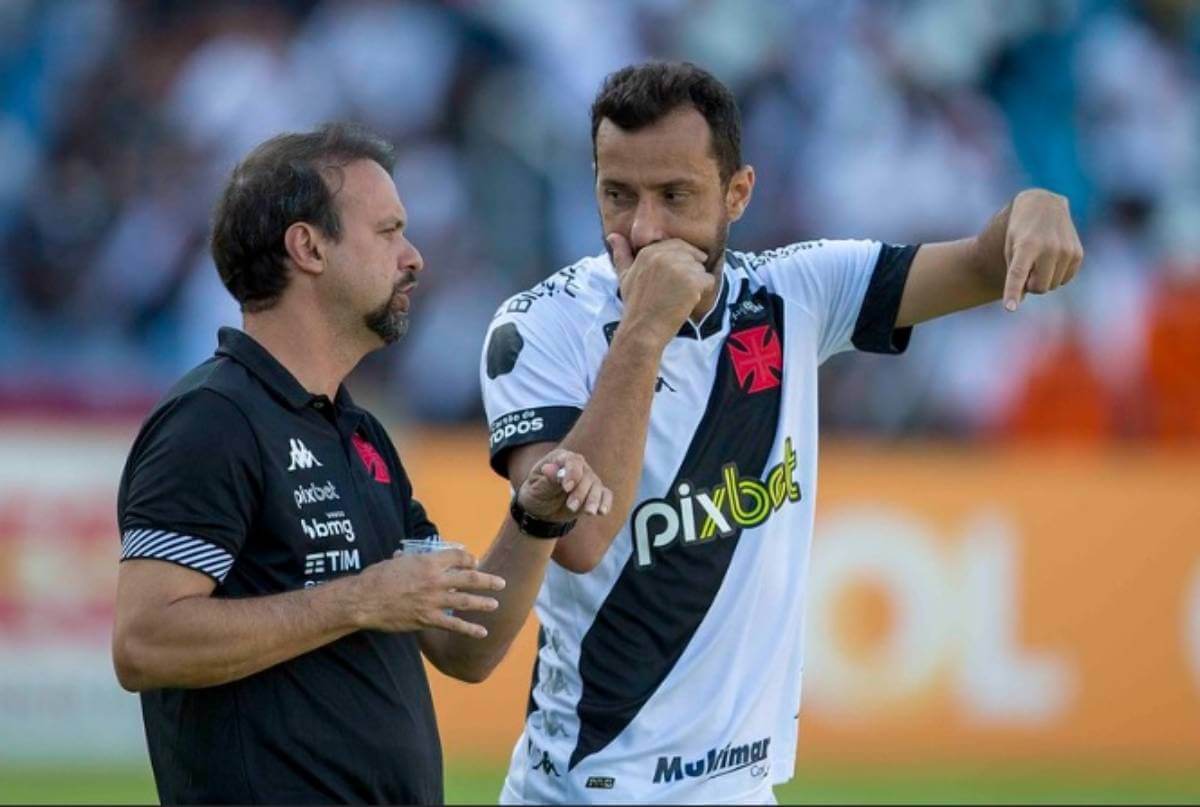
column 479, row 784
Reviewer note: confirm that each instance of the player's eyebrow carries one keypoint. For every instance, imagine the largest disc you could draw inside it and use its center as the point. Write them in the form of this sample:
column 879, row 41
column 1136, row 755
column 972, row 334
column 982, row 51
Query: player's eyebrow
column 675, row 185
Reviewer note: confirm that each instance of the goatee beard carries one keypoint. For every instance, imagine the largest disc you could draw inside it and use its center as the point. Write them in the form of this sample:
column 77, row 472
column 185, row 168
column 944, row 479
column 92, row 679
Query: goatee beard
column 387, row 323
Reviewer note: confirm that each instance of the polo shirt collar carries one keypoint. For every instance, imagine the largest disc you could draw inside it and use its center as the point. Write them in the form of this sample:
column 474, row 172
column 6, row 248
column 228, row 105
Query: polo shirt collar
column 242, row 348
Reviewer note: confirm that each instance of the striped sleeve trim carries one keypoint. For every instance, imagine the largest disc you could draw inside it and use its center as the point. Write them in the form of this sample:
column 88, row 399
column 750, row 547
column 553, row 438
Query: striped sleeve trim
column 194, row 553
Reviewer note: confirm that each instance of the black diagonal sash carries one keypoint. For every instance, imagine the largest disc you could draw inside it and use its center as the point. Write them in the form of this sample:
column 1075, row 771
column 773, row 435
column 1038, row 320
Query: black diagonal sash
column 652, row 611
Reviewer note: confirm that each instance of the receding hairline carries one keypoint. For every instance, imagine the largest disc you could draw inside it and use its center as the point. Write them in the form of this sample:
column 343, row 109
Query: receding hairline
column 678, row 112
column 333, row 173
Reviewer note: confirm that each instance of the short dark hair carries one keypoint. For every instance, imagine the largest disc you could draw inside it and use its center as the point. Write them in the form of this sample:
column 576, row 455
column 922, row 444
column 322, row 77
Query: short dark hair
column 641, row 95
column 283, row 181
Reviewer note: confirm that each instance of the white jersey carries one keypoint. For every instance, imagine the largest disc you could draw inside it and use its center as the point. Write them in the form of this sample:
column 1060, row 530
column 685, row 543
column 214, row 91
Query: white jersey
column 671, row 672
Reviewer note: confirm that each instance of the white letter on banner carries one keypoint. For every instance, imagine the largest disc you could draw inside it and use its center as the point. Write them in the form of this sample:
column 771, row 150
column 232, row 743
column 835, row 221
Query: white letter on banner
column 891, row 550
column 1191, row 624
column 1000, row 683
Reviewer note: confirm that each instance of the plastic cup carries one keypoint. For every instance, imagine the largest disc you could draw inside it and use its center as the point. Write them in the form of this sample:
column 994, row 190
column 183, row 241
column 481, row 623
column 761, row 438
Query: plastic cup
column 424, row 546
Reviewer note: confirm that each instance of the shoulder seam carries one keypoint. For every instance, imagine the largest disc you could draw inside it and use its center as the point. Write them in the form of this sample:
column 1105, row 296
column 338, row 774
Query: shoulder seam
column 751, row 270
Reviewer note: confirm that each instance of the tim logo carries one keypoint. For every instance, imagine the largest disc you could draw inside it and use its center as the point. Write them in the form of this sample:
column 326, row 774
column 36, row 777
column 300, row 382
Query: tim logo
column 371, row 458
column 335, row 560
column 302, row 458
column 757, row 358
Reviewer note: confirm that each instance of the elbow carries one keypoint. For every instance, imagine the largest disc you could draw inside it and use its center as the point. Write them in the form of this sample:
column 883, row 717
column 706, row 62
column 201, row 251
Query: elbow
column 130, row 664
column 578, row 559
column 584, row 548
column 469, row 671
column 473, row 675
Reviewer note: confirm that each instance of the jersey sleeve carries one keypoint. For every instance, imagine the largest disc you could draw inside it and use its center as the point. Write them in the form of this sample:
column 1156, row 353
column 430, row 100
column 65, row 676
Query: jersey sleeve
column 534, row 378
column 852, row 288
column 191, row 485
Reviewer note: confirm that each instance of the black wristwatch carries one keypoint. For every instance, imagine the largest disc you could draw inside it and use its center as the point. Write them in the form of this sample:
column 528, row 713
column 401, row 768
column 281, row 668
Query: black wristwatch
column 535, row 527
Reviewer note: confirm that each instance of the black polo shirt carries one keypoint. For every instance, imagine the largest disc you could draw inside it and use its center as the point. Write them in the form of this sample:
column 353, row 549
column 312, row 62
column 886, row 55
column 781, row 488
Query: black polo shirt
column 243, row 475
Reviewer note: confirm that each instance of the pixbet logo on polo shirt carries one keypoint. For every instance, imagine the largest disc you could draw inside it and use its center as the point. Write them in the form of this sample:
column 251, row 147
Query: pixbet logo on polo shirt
column 313, row 493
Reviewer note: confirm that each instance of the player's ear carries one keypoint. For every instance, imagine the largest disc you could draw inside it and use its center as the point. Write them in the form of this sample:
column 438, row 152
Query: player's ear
column 304, row 245
column 738, row 192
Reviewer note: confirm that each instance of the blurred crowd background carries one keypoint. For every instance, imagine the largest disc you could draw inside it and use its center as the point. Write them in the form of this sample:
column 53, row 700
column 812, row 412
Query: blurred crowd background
column 903, row 121
column 1013, row 610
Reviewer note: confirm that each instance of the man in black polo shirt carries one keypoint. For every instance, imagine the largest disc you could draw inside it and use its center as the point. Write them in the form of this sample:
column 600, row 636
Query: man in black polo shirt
column 275, row 638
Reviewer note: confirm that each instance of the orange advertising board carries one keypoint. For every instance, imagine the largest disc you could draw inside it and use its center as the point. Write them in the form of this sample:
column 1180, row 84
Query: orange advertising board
column 964, row 603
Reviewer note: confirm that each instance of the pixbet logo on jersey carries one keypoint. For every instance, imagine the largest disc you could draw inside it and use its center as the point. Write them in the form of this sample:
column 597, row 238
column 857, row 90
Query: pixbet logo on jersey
column 738, row 500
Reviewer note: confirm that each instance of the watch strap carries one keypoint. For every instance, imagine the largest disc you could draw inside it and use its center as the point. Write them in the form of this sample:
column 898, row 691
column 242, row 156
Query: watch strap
column 535, row 527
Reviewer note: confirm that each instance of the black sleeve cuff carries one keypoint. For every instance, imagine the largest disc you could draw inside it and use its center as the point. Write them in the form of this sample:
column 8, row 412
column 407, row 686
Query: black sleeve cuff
column 541, row 425
column 875, row 330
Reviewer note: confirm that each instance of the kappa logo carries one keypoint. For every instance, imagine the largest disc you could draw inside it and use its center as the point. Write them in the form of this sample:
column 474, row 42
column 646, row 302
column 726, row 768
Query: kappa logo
column 546, row 765
column 746, row 308
column 302, row 458
column 757, row 357
column 555, row 681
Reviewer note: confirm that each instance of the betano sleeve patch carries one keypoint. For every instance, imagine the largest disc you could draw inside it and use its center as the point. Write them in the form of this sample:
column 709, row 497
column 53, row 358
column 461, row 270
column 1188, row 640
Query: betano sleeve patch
column 504, row 347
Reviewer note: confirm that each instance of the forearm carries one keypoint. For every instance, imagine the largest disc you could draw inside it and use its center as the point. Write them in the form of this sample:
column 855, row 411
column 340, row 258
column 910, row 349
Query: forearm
column 956, row 275
column 202, row 641
column 611, row 434
column 521, row 561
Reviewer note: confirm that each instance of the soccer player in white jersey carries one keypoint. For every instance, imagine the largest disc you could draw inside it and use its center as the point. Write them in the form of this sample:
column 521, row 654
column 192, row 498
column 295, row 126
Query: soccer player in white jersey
column 670, row 652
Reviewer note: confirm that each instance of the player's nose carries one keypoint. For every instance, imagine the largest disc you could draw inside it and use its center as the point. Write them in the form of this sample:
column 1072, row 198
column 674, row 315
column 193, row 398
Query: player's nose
column 647, row 226
column 410, row 259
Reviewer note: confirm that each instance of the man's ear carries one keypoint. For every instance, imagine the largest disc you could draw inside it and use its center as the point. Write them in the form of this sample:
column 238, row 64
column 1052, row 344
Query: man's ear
column 739, row 191
column 305, row 247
